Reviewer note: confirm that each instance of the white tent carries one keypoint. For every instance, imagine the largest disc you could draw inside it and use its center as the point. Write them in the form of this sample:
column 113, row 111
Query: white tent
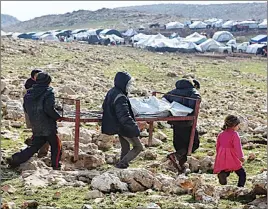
column 250, row 24
column 198, row 25
column 115, row 38
column 252, row 49
column 139, row 37
column 130, row 32
column 195, row 38
column 222, row 36
column 228, row 24
column 263, row 24
column 3, row 33
column 217, row 24
column 146, row 42
column 209, row 44
column 49, row 37
column 174, row 25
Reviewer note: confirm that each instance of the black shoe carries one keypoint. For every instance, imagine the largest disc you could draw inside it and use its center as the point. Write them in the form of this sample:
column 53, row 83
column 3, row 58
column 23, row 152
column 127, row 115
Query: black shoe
column 222, row 176
column 11, row 163
column 121, row 165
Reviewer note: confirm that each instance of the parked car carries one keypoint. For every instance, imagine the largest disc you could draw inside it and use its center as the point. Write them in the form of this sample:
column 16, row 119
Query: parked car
column 242, row 47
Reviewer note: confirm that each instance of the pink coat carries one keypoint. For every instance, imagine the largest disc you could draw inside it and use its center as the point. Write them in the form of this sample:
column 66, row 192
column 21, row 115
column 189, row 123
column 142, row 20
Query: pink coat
column 229, row 152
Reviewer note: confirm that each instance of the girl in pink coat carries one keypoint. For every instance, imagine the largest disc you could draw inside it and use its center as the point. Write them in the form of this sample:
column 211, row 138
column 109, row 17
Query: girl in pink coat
column 229, row 155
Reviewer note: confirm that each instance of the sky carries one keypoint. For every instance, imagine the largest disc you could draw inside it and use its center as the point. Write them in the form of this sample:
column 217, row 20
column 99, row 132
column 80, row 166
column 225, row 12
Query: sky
column 26, row 10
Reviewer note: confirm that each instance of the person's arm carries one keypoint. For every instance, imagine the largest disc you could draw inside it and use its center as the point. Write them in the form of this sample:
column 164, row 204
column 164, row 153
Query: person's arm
column 193, row 102
column 124, row 117
column 238, row 146
column 49, row 107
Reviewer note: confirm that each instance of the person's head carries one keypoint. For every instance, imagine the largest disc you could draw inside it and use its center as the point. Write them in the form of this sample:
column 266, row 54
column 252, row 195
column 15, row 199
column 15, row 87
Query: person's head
column 231, row 121
column 196, row 84
column 34, row 73
column 43, row 78
column 121, row 81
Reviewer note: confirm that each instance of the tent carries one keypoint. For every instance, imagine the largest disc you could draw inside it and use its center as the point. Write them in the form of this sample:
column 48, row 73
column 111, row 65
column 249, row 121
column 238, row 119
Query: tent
column 3, row 33
column 37, row 35
column 195, row 38
column 115, row 38
column 174, row 25
column 93, row 39
column 146, row 42
column 258, row 39
column 222, row 36
column 49, row 37
column 130, row 32
column 110, row 32
column 228, row 24
column 250, row 24
column 217, row 24
column 139, row 37
column 26, row 35
column 78, row 31
column 263, row 24
column 209, row 45
column 198, row 25
column 253, row 48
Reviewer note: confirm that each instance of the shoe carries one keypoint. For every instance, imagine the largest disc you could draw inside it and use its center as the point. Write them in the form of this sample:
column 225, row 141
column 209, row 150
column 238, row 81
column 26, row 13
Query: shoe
column 121, row 165
column 173, row 159
column 28, row 141
column 222, row 176
column 11, row 163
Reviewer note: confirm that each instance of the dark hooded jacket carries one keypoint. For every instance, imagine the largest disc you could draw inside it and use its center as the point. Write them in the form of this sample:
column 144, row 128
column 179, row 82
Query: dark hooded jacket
column 39, row 102
column 118, row 117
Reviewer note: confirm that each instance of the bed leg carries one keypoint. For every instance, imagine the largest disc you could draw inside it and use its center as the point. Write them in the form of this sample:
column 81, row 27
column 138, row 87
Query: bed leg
column 77, row 130
column 151, row 127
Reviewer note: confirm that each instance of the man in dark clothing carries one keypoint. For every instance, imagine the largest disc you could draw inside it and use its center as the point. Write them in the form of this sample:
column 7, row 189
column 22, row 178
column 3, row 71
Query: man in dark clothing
column 39, row 103
column 118, row 118
column 182, row 129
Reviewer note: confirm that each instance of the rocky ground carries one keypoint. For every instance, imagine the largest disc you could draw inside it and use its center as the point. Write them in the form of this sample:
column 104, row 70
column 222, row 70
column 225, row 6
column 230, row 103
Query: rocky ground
column 231, row 85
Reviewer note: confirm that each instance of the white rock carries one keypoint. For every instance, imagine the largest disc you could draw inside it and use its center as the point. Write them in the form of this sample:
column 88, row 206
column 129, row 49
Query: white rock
column 93, row 194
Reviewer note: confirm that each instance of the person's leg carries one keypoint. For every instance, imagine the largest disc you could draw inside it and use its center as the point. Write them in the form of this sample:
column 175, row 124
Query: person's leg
column 24, row 155
column 222, row 176
column 241, row 173
column 137, row 148
column 27, row 120
column 125, row 147
column 56, row 151
column 43, row 151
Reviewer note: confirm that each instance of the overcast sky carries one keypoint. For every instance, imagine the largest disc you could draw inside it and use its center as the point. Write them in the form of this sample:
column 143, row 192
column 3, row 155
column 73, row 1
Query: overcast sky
column 25, row 10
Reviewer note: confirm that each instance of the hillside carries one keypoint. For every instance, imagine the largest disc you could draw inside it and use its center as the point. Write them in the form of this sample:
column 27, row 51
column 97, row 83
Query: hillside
column 241, row 11
column 103, row 18
column 8, row 20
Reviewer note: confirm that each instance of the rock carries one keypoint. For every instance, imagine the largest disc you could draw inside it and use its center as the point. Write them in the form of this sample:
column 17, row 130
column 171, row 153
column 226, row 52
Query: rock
column 155, row 142
column 249, row 146
column 210, row 153
column 160, row 135
column 66, row 90
column 149, row 155
column 85, row 206
column 259, row 203
column 8, row 188
column 207, row 164
column 260, row 183
column 193, row 163
column 56, row 195
column 107, row 182
column 16, row 124
column 233, row 192
column 243, row 140
column 172, row 74
column 3, row 85
column 260, row 130
column 86, row 135
column 153, row 206
column 65, row 134
column 36, row 178
column 14, row 110
column 33, row 204
column 93, row 194
column 144, row 133
column 142, row 125
column 251, row 157
column 105, row 142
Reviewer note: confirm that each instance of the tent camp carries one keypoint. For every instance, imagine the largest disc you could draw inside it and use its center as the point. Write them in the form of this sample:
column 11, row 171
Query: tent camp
column 49, row 37
column 259, row 39
column 228, row 24
column 222, row 36
column 195, row 38
column 26, row 35
column 263, row 24
column 110, row 32
column 130, row 32
column 198, row 25
column 174, row 25
column 210, row 45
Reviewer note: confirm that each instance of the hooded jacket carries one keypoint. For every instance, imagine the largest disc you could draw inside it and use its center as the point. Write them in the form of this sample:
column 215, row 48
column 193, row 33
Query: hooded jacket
column 118, row 117
column 39, row 102
column 183, row 88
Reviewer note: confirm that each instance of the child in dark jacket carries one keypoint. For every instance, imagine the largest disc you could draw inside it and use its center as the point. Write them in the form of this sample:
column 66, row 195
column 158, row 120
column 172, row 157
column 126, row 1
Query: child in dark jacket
column 31, row 81
column 118, row 118
column 39, row 104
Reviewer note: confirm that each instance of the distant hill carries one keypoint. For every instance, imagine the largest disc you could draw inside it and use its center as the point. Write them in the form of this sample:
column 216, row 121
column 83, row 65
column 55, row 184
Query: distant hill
column 236, row 11
column 8, row 20
column 103, row 18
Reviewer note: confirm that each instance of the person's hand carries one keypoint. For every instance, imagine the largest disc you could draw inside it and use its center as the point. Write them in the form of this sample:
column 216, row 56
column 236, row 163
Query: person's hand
column 242, row 159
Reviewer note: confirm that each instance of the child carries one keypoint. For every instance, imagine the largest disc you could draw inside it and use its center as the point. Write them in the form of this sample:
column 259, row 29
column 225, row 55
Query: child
column 229, row 155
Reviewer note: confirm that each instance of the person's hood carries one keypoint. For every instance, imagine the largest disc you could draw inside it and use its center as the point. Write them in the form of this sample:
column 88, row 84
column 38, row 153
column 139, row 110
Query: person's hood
column 38, row 90
column 184, row 84
column 121, row 79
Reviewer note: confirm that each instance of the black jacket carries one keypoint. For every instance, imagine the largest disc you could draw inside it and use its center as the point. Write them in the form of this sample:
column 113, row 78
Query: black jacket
column 183, row 88
column 118, row 117
column 29, row 83
column 39, row 102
